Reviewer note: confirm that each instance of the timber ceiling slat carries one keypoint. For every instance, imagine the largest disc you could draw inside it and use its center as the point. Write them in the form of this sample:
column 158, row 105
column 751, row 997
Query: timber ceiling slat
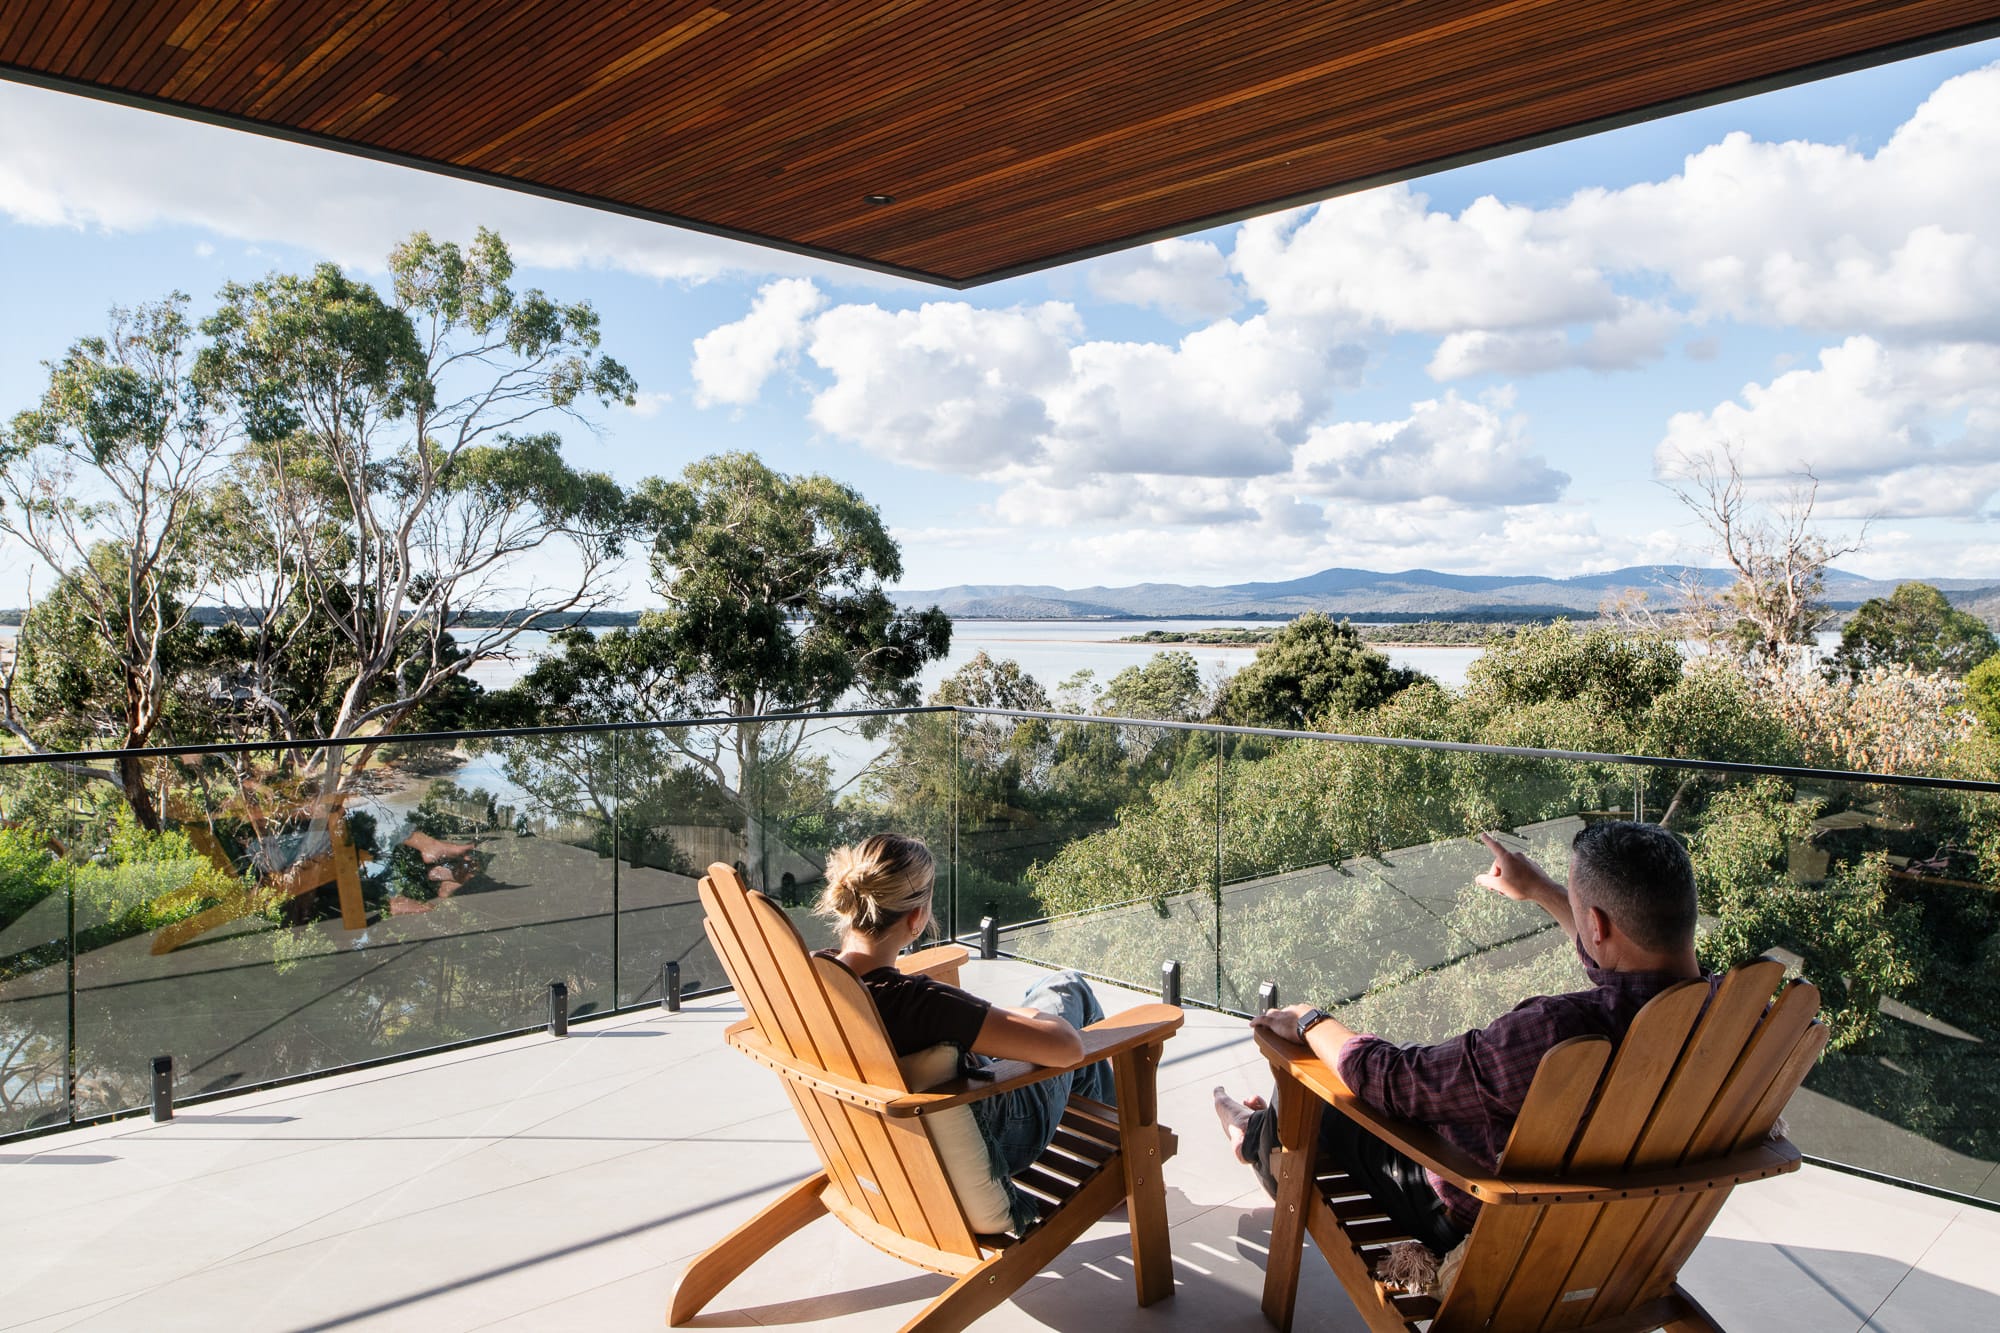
column 1011, row 136
column 765, row 131
column 1036, row 153
column 857, row 131
column 83, row 20
column 1035, row 157
column 1387, row 115
column 52, row 25
column 562, row 69
column 444, row 95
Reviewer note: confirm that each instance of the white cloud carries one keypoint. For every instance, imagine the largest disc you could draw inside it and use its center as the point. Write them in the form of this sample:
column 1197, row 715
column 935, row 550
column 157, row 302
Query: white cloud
column 1186, row 279
column 1384, row 260
column 648, row 402
column 1903, row 243
column 1638, row 333
column 1449, row 449
column 1823, row 236
column 732, row 362
column 991, row 393
column 71, row 161
column 1887, row 430
column 946, row 386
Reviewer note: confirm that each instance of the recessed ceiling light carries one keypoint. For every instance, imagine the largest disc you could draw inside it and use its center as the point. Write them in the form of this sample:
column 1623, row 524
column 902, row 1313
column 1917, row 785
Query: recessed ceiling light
column 878, row 198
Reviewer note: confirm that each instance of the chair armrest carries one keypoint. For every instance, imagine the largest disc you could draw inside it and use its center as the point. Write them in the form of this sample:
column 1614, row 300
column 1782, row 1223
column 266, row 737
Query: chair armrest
column 940, row 962
column 1461, row 1168
column 1772, row 1158
column 745, row 1039
column 1141, row 1026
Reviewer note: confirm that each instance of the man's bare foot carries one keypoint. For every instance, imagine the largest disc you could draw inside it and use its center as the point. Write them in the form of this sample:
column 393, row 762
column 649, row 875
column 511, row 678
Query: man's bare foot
column 1235, row 1117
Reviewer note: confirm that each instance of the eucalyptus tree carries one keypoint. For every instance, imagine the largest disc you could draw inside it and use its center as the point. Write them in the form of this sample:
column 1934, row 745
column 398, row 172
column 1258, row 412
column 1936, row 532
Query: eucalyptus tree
column 1312, row 667
column 397, row 471
column 774, row 606
column 1915, row 626
column 100, row 483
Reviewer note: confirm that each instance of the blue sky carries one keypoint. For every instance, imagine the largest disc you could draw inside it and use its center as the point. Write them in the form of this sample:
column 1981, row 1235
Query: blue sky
column 1486, row 370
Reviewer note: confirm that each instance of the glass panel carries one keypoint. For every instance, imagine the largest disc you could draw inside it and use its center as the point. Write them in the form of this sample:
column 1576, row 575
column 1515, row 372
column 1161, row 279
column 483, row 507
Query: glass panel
column 1122, row 863
column 1885, row 897
column 823, row 783
column 1130, row 943
column 39, row 816
column 682, row 806
column 313, row 908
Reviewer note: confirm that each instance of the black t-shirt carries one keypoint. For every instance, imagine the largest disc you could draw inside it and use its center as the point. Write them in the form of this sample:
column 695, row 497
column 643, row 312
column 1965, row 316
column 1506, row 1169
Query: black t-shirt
column 919, row 1012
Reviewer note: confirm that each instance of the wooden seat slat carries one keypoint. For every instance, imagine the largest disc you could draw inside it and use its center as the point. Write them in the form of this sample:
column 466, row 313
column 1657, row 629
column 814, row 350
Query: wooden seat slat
column 1046, row 1184
column 1074, row 1143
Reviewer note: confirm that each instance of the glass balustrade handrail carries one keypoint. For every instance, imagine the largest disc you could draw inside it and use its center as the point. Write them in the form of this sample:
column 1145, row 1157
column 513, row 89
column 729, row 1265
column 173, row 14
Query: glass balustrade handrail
column 399, row 738
column 1739, row 767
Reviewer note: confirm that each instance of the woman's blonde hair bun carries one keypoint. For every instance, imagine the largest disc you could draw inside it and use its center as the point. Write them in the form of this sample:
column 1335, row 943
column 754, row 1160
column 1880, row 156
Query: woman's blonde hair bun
column 877, row 881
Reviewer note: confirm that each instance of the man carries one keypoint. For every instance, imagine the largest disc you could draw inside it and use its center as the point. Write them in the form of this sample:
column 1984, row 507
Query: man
column 1630, row 912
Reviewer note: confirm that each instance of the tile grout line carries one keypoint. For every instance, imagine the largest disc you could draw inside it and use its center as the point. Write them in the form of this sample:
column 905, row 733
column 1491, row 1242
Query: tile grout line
column 1916, row 1263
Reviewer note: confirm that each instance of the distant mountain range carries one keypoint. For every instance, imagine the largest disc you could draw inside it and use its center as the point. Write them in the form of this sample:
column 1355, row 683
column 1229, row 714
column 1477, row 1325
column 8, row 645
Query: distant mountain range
column 1366, row 593
column 1363, row 594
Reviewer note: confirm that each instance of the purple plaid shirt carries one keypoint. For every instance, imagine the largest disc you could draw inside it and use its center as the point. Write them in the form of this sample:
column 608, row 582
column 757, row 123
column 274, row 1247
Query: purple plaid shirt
column 1470, row 1089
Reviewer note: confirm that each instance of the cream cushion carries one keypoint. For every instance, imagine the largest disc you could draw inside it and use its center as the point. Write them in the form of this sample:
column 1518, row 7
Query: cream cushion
column 960, row 1145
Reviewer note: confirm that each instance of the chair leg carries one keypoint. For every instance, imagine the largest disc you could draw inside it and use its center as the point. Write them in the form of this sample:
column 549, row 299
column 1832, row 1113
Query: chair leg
column 1299, row 1115
column 1693, row 1319
column 1140, row 1144
column 723, row 1262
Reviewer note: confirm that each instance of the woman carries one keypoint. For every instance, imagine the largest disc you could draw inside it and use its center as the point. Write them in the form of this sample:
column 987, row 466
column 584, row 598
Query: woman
column 878, row 892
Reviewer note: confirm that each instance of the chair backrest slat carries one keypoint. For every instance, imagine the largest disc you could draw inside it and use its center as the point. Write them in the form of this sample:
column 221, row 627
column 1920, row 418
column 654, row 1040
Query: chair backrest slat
column 1694, row 1077
column 832, row 1145
column 878, row 1168
column 931, row 1203
column 1800, row 1049
column 1625, row 1249
column 1764, row 1059
column 1539, row 1278
column 1620, row 1236
column 822, row 1015
column 1564, row 1086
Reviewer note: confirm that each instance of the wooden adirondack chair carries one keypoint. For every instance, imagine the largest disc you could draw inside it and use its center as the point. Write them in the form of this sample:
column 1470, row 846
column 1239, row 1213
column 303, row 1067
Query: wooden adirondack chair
column 813, row 1023
column 1606, row 1185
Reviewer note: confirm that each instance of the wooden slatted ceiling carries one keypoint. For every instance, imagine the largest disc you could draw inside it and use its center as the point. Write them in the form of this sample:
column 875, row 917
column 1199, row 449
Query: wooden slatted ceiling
column 1010, row 135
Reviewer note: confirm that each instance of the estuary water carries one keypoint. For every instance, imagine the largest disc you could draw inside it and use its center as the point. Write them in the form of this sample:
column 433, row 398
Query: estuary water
column 1054, row 650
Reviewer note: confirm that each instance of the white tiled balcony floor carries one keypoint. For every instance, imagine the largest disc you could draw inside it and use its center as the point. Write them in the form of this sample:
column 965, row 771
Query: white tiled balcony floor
column 542, row 1184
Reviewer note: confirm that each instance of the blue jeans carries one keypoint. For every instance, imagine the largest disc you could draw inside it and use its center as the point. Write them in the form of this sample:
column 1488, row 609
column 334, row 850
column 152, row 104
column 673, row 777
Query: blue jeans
column 1022, row 1122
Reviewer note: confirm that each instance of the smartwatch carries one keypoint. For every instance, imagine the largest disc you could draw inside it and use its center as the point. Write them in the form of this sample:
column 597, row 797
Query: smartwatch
column 1310, row 1019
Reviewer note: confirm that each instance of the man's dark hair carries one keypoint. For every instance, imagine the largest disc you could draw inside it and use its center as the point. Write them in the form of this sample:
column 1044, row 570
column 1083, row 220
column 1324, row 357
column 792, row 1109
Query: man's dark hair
column 1640, row 877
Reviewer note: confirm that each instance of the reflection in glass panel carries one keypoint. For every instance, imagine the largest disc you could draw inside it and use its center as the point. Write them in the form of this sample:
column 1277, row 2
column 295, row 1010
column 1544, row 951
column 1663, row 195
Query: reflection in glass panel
column 826, row 782
column 682, row 807
column 310, row 908
column 39, row 811
column 1348, row 879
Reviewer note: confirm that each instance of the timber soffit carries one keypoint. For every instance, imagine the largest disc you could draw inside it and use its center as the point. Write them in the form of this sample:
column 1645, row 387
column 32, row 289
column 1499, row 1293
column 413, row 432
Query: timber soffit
column 1007, row 137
